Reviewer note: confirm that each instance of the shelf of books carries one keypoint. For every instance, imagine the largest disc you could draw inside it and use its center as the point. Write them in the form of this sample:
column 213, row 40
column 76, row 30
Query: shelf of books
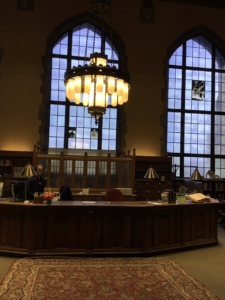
column 215, row 188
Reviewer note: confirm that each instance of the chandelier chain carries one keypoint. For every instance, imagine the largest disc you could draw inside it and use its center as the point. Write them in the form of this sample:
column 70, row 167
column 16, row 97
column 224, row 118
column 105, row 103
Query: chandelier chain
column 110, row 20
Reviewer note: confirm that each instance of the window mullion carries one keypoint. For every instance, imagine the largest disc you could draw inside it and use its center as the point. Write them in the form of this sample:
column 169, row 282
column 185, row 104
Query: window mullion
column 183, row 110
column 213, row 111
column 67, row 103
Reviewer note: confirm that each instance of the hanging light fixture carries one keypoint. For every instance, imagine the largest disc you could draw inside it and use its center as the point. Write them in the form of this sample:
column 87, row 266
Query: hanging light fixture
column 98, row 84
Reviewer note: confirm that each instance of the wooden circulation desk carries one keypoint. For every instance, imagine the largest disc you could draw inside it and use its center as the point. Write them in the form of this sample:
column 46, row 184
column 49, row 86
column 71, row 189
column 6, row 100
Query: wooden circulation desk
column 75, row 227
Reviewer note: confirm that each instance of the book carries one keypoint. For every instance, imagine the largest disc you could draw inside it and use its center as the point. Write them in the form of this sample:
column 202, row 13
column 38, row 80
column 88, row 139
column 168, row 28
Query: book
column 198, row 197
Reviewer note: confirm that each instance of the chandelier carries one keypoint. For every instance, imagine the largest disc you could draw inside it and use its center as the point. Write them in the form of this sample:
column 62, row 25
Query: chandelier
column 98, row 84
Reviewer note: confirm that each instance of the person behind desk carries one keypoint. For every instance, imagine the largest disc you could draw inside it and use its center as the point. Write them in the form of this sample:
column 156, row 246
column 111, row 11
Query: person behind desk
column 65, row 193
column 36, row 183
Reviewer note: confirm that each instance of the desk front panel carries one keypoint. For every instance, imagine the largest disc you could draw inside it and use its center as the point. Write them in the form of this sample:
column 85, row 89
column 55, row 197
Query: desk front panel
column 127, row 227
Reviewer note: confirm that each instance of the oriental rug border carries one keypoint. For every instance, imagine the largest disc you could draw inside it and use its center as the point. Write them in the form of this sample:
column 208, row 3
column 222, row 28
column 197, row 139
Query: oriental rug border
column 100, row 278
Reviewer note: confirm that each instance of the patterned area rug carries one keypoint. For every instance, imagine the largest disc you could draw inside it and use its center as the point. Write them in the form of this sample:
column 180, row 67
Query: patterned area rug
column 100, row 279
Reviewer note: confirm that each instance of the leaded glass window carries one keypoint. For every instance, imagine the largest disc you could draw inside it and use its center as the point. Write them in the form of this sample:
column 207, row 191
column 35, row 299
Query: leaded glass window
column 196, row 107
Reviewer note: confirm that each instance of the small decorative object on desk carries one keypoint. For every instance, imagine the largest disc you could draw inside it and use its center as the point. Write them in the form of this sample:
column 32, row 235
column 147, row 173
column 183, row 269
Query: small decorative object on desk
column 181, row 199
column 38, row 199
column 171, row 196
column 49, row 196
column 165, row 197
column 182, row 190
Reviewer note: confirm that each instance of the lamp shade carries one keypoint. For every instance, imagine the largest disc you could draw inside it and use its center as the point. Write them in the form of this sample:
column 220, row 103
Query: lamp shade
column 151, row 174
column 196, row 175
column 28, row 170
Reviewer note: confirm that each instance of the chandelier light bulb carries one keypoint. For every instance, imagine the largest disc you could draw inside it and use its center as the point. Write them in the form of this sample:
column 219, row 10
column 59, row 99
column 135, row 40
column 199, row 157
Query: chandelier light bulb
column 77, row 85
column 114, row 99
column 77, row 99
column 91, row 94
column 99, row 83
column 119, row 87
column 70, row 90
column 125, row 92
column 87, row 83
column 100, row 98
column 85, row 99
column 111, row 84
column 106, row 99
column 120, row 100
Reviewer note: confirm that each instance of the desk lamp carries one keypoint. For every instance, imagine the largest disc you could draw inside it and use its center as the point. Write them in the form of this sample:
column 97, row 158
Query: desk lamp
column 28, row 170
column 196, row 175
column 151, row 174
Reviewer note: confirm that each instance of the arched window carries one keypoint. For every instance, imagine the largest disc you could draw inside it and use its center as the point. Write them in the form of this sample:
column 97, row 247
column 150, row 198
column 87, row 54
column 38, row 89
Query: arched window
column 196, row 107
column 70, row 126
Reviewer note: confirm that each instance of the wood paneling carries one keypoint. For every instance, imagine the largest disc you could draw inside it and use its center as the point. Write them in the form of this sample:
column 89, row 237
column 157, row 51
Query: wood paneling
column 127, row 227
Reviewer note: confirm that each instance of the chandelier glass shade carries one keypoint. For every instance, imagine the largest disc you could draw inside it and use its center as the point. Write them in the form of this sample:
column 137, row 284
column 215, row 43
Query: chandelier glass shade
column 97, row 84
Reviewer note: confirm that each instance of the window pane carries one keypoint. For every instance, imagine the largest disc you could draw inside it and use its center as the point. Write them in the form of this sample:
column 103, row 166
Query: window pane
column 173, row 131
column 219, row 135
column 220, row 61
column 62, row 46
column 197, row 134
column 176, row 58
column 219, row 167
column 220, row 92
column 112, row 53
column 190, row 164
column 57, row 79
column 174, row 90
column 109, row 129
column 199, row 52
column 86, row 39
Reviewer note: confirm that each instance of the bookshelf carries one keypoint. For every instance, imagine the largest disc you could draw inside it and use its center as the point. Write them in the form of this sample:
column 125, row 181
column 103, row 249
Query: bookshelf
column 214, row 187
column 148, row 189
column 11, row 164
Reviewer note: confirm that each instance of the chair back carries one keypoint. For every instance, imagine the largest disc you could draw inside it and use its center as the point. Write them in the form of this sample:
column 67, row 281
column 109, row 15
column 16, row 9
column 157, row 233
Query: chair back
column 114, row 195
column 193, row 186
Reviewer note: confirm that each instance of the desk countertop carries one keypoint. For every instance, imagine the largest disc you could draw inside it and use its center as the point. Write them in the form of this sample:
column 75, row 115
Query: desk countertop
column 105, row 203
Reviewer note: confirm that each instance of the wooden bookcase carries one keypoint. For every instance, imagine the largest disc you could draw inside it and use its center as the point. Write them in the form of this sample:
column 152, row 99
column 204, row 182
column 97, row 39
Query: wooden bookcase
column 148, row 189
column 214, row 187
column 11, row 164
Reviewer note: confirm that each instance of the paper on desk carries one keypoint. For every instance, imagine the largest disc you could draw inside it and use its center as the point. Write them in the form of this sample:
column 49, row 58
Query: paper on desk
column 89, row 202
column 155, row 203
column 198, row 197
